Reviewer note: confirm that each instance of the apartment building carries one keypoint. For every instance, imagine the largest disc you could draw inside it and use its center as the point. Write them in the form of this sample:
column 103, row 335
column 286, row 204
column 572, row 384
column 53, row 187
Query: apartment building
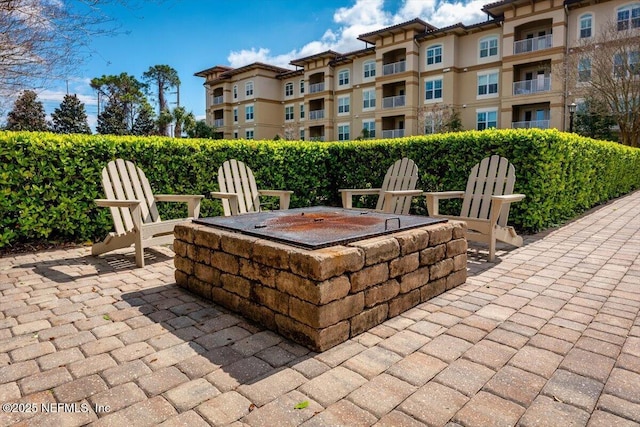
column 497, row 73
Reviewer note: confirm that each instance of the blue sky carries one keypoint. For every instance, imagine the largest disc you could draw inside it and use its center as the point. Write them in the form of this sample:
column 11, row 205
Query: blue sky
column 192, row 35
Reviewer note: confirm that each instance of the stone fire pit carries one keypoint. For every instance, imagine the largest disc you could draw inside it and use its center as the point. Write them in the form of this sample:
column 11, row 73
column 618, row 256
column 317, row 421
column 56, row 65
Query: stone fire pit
column 320, row 297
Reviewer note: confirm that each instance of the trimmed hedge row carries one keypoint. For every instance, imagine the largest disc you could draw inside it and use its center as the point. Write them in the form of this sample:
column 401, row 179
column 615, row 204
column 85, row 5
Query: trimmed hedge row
column 48, row 181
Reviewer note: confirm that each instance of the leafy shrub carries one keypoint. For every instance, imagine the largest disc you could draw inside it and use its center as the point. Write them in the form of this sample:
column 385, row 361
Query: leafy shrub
column 48, row 182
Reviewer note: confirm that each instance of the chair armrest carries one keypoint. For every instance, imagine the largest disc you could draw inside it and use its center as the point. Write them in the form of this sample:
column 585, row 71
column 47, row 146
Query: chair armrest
column 433, row 199
column 498, row 202
column 112, row 203
column 403, row 193
column 232, row 198
column 284, row 195
column 177, row 197
column 348, row 193
column 509, row 198
column 192, row 200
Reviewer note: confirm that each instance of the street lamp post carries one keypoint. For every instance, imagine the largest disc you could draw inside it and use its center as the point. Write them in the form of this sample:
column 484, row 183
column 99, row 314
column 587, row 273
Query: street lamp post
column 572, row 111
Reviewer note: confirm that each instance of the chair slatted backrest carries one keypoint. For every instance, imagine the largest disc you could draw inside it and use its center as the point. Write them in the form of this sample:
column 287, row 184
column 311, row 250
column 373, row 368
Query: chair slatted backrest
column 402, row 175
column 235, row 177
column 493, row 176
column 122, row 180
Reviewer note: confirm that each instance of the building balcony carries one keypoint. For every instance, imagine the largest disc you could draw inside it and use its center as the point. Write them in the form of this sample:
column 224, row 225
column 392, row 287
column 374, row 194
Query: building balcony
column 316, row 114
column 532, row 86
column 217, row 100
column 218, row 123
column 393, row 133
column 531, row 45
column 316, row 87
column 393, row 101
column 535, row 124
column 394, row 68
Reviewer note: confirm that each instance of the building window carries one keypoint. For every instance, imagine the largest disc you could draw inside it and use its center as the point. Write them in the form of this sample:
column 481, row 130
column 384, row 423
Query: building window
column 302, row 111
column 626, row 64
column 235, row 134
column 369, row 69
column 434, row 54
column 343, row 77
column 235, row 92
column 235, row 115
column 433, row 89
column 248, row 134
column 301, row 86
column 301, row 134
column 288, row 89
column 343, row 133
column 489, row 47
column 429, row 124
column 369, row 128
column 248, row 113
column 584, row 70
column 248, row 89
column 487, row 119
column 368, row 99
column 629, row 17
column 487, row 84
column 343, row 104
column 288, row 112
column 585, row 26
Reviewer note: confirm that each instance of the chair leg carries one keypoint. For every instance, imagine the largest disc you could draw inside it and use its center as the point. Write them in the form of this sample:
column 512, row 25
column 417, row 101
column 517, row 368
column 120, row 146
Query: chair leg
column 492, row 246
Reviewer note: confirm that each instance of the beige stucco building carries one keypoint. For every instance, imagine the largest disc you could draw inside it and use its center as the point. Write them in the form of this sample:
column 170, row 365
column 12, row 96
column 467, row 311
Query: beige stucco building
column 497, row 73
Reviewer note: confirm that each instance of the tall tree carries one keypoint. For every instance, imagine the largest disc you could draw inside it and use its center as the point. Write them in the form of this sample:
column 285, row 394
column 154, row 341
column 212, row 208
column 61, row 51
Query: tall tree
column 70, row 117
column 593, row 120
column 182, row 120
column 125, row 99
column 144, row 123
column 42, row 39
column 163, row 78
column 112, row 120
column 27, row 113
column 605, row 69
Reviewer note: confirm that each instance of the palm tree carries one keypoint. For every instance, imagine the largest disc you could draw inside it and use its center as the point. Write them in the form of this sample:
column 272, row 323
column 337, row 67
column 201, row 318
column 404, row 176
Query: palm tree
column 182, row 120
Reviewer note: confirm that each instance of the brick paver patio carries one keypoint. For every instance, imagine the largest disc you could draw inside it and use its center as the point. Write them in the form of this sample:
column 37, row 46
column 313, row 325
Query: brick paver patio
column 547, row 336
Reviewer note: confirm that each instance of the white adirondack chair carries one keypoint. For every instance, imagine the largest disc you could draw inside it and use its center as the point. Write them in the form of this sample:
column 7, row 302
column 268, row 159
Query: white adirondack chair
column 239, row 192
column 486, row 203
column 134, row 211
column 396, row 192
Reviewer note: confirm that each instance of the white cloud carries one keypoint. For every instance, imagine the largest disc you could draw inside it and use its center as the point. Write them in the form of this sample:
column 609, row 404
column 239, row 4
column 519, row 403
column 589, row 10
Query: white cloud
column 58, row 95
column 363, row 17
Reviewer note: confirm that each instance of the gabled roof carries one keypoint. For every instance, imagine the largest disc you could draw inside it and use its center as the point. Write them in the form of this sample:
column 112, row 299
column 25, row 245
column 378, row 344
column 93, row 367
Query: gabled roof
column 219, row 68
column 326, row 54
column 460, row 29
column 416, row 24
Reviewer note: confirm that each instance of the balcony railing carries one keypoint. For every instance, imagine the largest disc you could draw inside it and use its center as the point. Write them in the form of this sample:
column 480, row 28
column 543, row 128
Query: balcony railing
column 218, row 123
column 316, row 114
column 218, row 100
column 530, row 45
column 393, row 101
column 532, row 86
column 317, row 138
column 394, row 68
column 539, row 124
column 316, row 87
column 394, row 133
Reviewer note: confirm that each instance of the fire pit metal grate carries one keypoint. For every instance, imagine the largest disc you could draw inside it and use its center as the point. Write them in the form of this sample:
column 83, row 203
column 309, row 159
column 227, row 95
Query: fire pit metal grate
column 318, row 227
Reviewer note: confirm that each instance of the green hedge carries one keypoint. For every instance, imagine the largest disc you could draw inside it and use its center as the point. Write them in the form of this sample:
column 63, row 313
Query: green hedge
column 48, row 182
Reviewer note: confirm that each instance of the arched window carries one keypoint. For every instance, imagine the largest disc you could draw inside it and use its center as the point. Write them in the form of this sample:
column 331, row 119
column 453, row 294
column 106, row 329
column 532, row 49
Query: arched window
column 586, row 25
column 288, row 89
column 369, row 68
column 628, row 17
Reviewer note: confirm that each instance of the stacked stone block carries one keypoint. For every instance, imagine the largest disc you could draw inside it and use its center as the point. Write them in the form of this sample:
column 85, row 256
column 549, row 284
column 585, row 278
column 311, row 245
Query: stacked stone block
column 320, row 298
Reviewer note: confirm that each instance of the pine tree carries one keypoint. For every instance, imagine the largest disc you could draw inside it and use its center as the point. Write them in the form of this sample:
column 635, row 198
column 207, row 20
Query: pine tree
column 113, row 120
column 70, row 117
column 27, row 114
column 144, row 123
